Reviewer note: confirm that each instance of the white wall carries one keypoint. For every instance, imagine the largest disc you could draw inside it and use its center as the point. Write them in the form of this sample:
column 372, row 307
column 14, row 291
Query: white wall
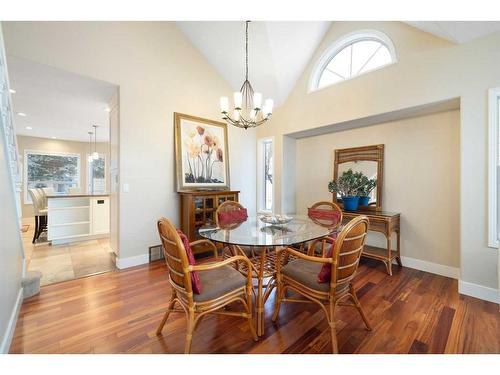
column 11, row 251
column 159, row 72
column 421, row 175
column 429, row 69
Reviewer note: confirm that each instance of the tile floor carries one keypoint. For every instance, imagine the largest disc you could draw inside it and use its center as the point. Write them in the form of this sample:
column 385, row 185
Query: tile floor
column 69, row 261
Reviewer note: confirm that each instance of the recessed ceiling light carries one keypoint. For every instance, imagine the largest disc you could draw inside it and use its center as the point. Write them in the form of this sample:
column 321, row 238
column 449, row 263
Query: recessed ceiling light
column 29, row 128
column 22, row 114
column 12, row 91
column 53, row 137
column 107, row 109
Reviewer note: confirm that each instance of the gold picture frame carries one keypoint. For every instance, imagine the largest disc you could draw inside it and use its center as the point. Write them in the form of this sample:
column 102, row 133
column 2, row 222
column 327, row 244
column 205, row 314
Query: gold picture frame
column 201, row 153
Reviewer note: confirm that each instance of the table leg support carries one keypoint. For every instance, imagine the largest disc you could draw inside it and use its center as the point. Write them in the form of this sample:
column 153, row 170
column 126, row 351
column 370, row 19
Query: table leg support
column 260, row 295
column 388, row 262
column 398, row 258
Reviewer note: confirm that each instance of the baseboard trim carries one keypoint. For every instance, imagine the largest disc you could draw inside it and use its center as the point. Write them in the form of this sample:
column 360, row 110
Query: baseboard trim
column 9, row 333
column 137, row 260
column 464, row 287
column 479, row 291
column 435, row 268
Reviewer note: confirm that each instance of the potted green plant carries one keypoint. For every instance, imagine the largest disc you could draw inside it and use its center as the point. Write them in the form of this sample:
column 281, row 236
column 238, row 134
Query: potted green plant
column 367, row 186
column 347, row 185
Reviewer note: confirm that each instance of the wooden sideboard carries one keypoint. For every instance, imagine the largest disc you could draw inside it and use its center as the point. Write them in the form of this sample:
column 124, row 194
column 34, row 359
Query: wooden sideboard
column 198, row 209
column 385, row 223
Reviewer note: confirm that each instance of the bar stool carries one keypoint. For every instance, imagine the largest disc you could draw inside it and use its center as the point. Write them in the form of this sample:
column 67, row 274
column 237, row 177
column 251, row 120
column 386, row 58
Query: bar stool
column 40, row 212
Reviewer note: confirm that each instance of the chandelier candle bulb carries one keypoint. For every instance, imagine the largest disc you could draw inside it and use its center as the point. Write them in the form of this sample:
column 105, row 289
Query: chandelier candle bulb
column 224, row 104
column 268, row 106
column 257, row 100
column 236, row 115
column 237, row 99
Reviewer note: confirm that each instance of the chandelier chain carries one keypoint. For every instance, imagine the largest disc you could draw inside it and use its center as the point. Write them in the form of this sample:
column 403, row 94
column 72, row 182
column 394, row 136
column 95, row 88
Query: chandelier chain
column 246, row 50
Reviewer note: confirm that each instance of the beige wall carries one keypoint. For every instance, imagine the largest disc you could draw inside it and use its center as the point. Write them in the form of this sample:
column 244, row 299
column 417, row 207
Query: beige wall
column 421, row 174
column 55, row 145
column 159, row 72
column 429, row 69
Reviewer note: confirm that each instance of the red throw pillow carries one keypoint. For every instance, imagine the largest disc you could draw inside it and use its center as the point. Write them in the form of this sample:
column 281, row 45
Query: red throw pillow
column 325, row 274
column 233, row 216
column 332, row 216
column 195, row 278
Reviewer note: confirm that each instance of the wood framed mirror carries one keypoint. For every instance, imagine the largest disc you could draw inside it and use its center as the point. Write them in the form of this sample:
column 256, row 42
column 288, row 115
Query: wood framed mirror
column 370, row 161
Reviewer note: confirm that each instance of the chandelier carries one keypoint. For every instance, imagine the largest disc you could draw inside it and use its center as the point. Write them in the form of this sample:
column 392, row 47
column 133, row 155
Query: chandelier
column 248, row 110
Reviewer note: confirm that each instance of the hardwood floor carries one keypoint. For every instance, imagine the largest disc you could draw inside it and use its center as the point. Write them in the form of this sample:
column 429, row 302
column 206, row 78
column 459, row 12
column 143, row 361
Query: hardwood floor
column 118, row 312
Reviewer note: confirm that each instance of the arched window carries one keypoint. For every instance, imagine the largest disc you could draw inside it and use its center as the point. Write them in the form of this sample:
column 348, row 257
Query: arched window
column 354, row 54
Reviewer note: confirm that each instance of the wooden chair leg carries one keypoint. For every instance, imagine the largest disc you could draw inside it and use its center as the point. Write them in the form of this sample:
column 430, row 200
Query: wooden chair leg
column 189, row 332
column 36, row 229
column 250, row 315
column 359, row 308
column 279, row 297
column 167, row 313
column 39, row 227
column 333, row 332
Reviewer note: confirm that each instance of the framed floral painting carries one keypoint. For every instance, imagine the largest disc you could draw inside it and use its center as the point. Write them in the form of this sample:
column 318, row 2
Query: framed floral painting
column 201, row 153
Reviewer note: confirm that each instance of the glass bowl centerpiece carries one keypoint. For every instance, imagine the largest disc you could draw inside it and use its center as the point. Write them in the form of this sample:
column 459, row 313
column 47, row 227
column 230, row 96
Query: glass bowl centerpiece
column 275, row 219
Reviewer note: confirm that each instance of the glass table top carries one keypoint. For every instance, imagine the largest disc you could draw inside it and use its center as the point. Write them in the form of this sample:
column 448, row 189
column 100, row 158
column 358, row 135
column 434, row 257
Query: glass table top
column 254, row 232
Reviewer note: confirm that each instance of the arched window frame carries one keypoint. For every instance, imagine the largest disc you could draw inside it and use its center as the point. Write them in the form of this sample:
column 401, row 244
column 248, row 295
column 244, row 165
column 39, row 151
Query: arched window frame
column 343, row 42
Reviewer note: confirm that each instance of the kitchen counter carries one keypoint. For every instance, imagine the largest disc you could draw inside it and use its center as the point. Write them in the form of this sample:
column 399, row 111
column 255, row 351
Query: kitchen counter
column 78, row 195
column 77, row 217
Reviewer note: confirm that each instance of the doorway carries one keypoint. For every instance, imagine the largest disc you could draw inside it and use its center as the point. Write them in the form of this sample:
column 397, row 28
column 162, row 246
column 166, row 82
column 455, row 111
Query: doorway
column 66, row 128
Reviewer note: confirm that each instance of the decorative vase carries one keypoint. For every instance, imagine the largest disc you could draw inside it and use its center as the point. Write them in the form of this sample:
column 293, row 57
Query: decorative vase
column 350, row 203
column 363, row 201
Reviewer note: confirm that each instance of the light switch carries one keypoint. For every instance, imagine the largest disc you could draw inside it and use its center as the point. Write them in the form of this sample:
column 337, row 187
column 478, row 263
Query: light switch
column 125, row 187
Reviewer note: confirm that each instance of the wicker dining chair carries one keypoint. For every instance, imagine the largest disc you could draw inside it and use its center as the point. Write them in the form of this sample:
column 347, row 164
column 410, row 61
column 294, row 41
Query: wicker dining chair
column 262, row 263
column 320, row 246
column 301, row 275
column 221, row 283
column 228, row 206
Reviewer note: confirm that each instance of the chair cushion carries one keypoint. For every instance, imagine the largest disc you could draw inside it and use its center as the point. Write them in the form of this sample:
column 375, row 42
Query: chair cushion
column 218, row 282
column 233, row 216
column 195, row 277
column 329, row 217
column 325, row 274
column 306, row 273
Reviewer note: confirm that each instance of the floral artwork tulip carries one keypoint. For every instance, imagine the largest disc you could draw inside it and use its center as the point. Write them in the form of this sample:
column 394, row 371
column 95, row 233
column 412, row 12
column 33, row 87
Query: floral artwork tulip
column 208, row 140
column 202, row 152
column 219, row 155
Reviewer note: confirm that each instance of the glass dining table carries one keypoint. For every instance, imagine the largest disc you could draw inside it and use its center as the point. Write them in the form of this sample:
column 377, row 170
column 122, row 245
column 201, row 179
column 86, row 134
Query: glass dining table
column 262, row 240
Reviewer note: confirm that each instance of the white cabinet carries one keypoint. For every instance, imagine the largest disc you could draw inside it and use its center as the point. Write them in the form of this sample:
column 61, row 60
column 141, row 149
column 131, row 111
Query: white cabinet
column 100, row 215
column 77, row 218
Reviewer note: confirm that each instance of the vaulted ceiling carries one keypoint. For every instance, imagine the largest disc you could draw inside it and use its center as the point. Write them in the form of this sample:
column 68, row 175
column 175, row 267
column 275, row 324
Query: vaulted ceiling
column 458, row 31
column 280, row 51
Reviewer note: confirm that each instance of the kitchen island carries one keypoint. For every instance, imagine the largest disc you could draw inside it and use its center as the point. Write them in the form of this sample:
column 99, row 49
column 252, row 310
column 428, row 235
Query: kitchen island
column 77, row 217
